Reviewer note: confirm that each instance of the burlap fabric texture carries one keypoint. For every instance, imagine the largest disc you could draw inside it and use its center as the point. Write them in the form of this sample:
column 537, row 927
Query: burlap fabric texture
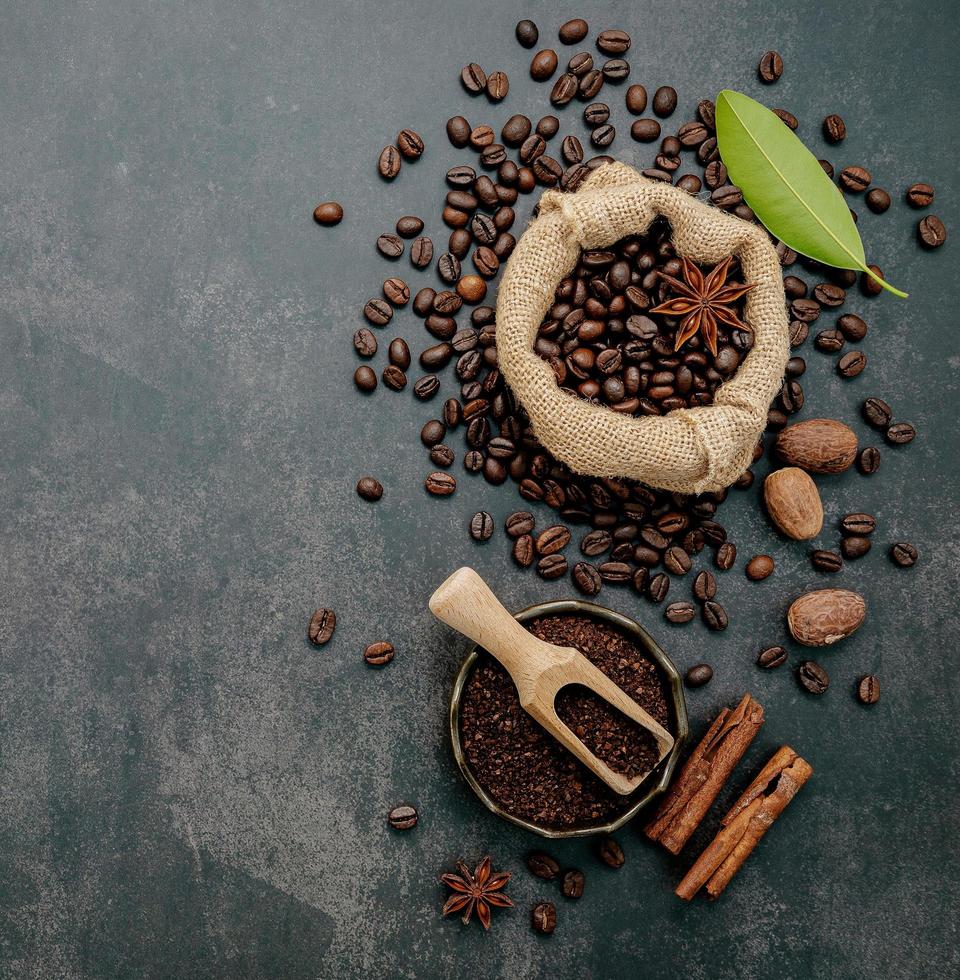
column 688, row 450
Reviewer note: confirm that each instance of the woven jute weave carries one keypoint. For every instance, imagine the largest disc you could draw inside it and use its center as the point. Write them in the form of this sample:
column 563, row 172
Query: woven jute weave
column 688, row 450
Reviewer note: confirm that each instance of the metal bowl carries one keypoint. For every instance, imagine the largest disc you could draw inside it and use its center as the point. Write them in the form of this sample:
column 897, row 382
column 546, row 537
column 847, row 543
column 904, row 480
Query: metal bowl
column 655, row 782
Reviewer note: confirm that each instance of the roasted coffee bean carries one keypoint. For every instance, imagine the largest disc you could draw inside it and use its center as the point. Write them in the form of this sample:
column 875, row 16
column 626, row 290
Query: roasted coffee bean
column 664, row 101
column 658, row 587
column 458, row 131
column 394, row 377
column 515, row 130
column 787, row 118
column 481, row 526
column 611, row 853
column 770, row 67
column 365, row 378
column 900, row 433
column 615, row 69
column 878, row 200
column 524, row 551
column 378, row 312
column 421, row 252
column 379, row 654
column 868, row 285
column 552, row 566
column 365, row 344
column 590, row 84
column 527, row 33
column 493, row 155
column 432, row 432
column 692, row 134
column 564, row 89
column 834, row 129
column 474, row 461
column 553, row 539
column 772, row 657
column 532, row 147
column 543, row 918
column 571, row 149
column 855, row 179
column 403, row 817
column 472, row 288
column 854, row 546
column 714, row 615
column 498, row 85
column 399, row 353
column 547, row 127
column 680, row 612
column 858, row 523
column 573, row 31
column 571, row 884
column 729, row 196
column 676, row 560
column 690, row 183
column 877, row 412
column 603, row 135
column 615, row 572
column 519, row 523
column 389, row 162
column 580, row 63
column 474, row 78
column 645, row 130
column 798, row 332
column 698, row 675
column 759, row 567
column 715, row 174
column 868, row 462
column 440, row 484
column 586, row 578
column 369, row 488
column 636, row 100
column 868, row 689
column 704, row 586
column 448, row 267
column 322, row 624
column 931, row 231
column 441, row 456
column 852, row 327
column 903, row 554
column 794, row 287
column 543, row 866
column 829, row 294
column 919, row 195
column 410, row 144
column 851, row 364
column 397, row 291
column 328, row 213
column 547, row 170
column 812, row 677
column 595, row 543
column 805, row 309
column 613, row 42
column 726, row 556
column 390, row 246
column 826, row 561
column 543, row 65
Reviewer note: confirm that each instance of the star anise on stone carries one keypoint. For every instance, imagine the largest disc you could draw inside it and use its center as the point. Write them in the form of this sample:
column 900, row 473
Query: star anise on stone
column 703, row 301
column 480, row 890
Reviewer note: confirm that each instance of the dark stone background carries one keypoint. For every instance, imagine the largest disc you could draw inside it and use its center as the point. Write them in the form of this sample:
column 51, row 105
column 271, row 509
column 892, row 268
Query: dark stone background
column 187, row 788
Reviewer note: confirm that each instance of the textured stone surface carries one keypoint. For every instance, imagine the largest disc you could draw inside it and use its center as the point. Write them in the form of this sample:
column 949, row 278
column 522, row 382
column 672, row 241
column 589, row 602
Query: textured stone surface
column 187, row 788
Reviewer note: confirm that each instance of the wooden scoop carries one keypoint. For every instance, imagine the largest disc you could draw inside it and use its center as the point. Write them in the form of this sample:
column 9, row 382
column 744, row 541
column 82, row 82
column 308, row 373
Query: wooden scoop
column 539, row 669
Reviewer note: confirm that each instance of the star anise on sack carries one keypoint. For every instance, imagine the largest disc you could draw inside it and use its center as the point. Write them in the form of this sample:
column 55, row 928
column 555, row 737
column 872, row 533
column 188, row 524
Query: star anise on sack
column 703, row 301
column 480, row 890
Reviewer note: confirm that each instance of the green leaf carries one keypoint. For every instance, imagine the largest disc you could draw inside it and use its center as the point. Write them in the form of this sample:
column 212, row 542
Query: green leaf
column 786, row 187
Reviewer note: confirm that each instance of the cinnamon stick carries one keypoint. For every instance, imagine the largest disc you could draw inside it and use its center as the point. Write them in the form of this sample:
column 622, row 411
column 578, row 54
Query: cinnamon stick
column 704, row 774
column 746, row 823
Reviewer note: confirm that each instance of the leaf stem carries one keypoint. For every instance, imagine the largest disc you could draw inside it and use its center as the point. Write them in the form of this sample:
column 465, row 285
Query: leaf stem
column 884, row 283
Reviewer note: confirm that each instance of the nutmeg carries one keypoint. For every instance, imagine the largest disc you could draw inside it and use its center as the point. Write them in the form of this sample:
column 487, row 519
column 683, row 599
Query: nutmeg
column 817, row 619
column 793, row 503
column 818, row 446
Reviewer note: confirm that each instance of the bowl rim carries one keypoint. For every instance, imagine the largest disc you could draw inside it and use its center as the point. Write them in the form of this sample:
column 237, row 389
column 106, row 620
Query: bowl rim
column 664, row 770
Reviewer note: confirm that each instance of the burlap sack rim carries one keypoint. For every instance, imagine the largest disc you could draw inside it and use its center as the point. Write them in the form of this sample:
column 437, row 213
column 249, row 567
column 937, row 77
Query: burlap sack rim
column 688, row 450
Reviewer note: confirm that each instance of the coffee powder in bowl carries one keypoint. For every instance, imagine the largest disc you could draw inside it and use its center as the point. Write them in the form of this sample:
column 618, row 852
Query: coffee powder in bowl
column 524, row 775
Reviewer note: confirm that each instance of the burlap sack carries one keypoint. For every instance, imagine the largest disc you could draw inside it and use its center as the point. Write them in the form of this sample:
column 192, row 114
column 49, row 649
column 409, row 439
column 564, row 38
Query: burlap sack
column 689, row 450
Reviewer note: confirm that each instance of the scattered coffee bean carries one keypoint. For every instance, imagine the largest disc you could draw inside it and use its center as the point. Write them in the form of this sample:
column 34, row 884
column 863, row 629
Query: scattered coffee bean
column 369, row 488
column 481, row 526
column 498, row 85
column 440, row 484
column 615, row 70
column 524, row 550
column 878, row 200
column 679, row 613
column 853, row 327
column 854, row 546
column 394, row 378
column 410, row 144
column 868, row 689
column 868, row 461
column 458, row 131
column 527, row 33
column 919, row 195
column 812, row 677
column 390, row 246
column 571, row 885
column 658, row 587
column 611, row 853
column 726, row 556
column 855, row 179
column 365, row 378
column 771, row 658
column 543, row 866
column 858, row 523
column 931, row 231
column 586, row 578
column 573, row 31
column 421, row 252
column 473, row 78
column 787, row 118
column 553, row 539
column 645, row 130
column 664, row 101
column 379, row 654
column 543, row 65
column 322, row 624
column 328, row 213
column 613, row 42
column 826, row 561
column 397, row 291
column 543, row 918
column 834, row 129
column 868, row 285
column 900, row 433
column 851, row 364
column 365, row 344
column 519, row 523
column 441, row 455
column 389, row 162
column 403, row 817
column 759, row 567
column 704, row 586
column 552, row 566
column 903, row 554
column 770, row 67
column 877, row 412
column 698, row 675
column 714, row 615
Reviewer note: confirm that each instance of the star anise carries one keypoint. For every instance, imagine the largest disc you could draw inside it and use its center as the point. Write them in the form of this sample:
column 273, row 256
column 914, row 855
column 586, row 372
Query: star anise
column 703, row 301
column 480, row 890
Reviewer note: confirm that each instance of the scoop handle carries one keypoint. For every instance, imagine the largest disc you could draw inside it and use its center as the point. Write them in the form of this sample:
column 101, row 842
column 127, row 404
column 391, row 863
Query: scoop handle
column 465, row 602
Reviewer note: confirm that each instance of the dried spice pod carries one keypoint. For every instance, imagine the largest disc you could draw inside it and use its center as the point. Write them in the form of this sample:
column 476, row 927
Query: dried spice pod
column 817, row 619
column 793, row 503
column 818, row 446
